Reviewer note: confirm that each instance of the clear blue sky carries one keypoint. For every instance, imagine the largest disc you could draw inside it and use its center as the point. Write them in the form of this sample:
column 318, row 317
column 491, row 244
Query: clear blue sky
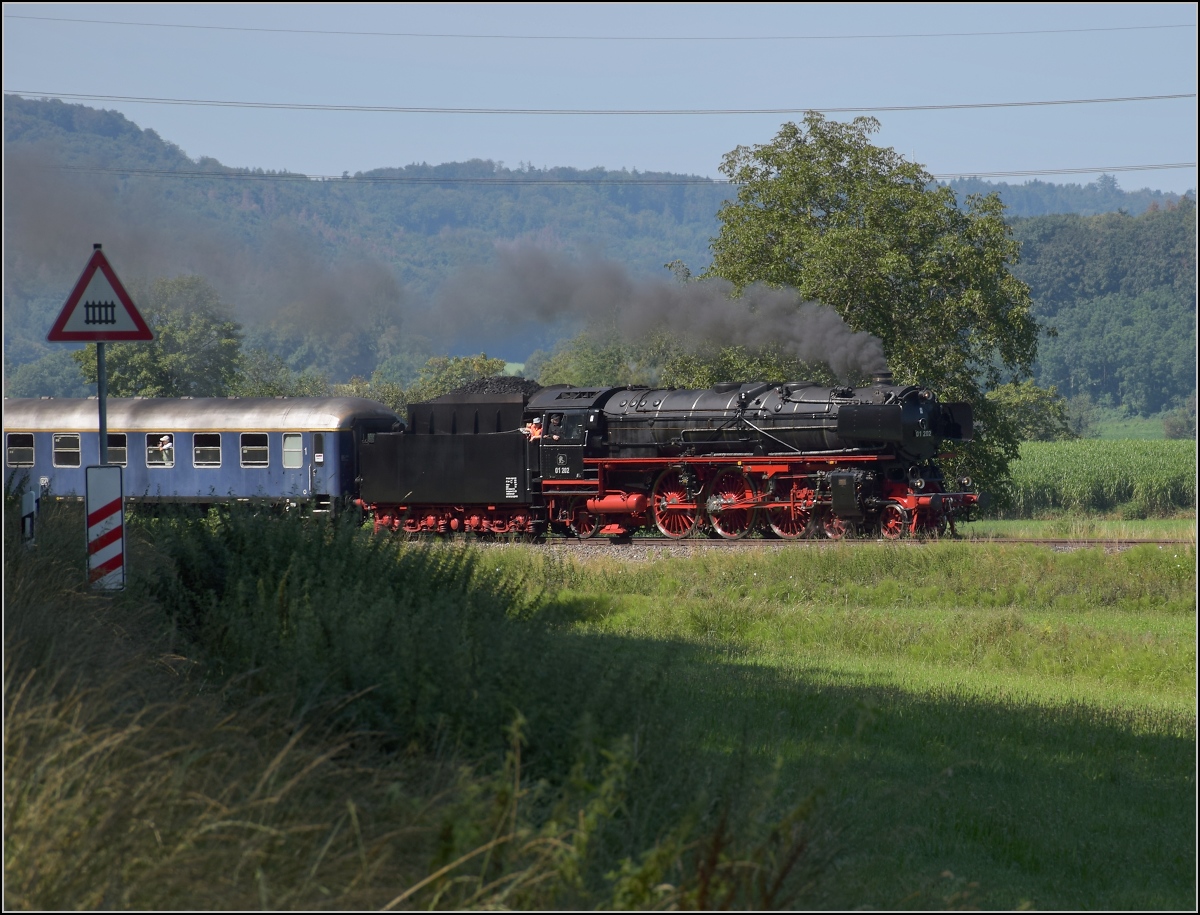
column 807, row 60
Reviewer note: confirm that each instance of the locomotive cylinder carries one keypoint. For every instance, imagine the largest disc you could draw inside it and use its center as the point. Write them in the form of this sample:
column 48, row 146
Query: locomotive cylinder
column 619, row 504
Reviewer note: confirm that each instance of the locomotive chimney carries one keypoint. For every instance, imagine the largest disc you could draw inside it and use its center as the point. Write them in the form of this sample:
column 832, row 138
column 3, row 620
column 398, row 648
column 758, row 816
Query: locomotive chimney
column 881, row 378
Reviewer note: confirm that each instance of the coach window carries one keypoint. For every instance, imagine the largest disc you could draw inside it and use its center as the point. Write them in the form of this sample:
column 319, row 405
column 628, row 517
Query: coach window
column 206, row 449
column 293, row 450
column 66, row 449
column 118, row 452
column 20, row 449
column 160, row 449
column 254, row 449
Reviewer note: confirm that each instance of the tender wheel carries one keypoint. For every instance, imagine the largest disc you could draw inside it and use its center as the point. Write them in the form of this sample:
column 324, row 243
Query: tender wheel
column 893, row 522
column 728, row 497
column 584, row 524
column 674, row 512
column 789, row 523
column 834, row 527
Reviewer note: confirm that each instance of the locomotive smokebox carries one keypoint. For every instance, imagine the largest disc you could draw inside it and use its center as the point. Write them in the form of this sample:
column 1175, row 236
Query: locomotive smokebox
column 881, row 378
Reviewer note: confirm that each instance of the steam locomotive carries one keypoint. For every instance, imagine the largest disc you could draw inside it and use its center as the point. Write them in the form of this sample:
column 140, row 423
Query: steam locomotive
column 792, row 460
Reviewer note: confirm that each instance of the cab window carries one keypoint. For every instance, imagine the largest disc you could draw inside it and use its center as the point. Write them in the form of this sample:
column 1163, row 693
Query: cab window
column 565, row 427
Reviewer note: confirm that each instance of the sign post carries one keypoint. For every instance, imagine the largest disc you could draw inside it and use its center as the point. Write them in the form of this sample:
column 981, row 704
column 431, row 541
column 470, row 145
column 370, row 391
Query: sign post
column 106, row 528
column 100, row 311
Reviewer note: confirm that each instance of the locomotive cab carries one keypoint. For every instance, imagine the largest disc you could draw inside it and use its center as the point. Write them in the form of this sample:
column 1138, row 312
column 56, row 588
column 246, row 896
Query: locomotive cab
column 564, row 443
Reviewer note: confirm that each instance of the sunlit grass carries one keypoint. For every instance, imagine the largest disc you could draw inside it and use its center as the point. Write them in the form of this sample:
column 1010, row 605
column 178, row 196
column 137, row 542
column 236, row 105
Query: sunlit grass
column 964, row 710
column 1137, row 479
column 1016, row 620
column 860, row 720
column 1083, row 528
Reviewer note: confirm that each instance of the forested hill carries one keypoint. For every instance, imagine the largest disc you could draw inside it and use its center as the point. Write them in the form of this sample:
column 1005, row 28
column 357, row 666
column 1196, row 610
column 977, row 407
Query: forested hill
column 323, row 272
column 317, row 256
column 1121, row 292
column 425, row 220
column 1041, row 198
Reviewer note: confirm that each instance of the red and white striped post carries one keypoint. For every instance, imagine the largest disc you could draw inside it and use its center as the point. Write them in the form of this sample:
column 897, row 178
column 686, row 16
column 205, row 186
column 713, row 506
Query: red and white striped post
column 105, row 528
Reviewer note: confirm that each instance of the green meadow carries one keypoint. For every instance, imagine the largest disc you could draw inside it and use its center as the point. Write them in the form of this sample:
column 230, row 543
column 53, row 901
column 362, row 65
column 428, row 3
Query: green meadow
column 287, row 715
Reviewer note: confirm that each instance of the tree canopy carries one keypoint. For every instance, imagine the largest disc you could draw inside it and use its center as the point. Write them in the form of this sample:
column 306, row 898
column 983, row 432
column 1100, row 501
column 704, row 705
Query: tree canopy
column 1121, row 292
column 196, row 350
column 857, row 227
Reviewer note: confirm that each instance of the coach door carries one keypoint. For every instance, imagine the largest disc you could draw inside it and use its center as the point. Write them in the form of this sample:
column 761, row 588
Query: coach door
column 318, row 473
column 562, row 446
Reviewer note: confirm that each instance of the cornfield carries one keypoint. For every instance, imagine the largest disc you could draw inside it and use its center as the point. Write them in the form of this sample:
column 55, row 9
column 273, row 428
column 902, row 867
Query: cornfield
column 1137, row 478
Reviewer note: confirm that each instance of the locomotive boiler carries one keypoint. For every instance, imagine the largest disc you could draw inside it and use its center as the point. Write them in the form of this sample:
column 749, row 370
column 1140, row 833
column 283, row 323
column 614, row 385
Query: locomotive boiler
column 791, row 459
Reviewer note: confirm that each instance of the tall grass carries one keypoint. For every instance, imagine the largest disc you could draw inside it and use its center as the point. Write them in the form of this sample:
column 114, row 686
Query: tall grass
column 1139, row 478
column 443, row 649
column 158, row 756
column 288, row 715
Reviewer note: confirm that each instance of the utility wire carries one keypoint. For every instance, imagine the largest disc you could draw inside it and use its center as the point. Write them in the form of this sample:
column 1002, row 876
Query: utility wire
column 391, row 109
column 622, row 181
column 677, row 38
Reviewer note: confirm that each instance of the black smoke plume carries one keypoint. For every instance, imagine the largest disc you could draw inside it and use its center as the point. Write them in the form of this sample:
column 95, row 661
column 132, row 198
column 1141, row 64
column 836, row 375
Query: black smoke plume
column 529, row 286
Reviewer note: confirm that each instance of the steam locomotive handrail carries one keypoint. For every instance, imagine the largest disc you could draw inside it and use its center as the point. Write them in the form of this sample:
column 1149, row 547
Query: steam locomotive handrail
column 740, row 457
column 770, row 436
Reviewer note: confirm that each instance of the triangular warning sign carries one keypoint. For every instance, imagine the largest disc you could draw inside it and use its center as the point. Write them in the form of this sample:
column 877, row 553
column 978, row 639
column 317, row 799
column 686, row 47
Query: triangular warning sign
column 98, row 310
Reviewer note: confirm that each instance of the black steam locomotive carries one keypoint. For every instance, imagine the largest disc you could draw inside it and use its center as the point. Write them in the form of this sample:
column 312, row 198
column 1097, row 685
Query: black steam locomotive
column 793, row 460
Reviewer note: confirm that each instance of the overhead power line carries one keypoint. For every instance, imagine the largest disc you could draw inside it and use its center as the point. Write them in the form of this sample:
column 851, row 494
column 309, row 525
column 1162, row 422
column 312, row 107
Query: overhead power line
column 618, row 181
column 424, row 109
column 674, row 38
column 1106, row 169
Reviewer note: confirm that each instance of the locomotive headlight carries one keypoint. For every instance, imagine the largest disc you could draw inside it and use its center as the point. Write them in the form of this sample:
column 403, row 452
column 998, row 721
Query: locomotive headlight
column 918, row 483
column 965, row 482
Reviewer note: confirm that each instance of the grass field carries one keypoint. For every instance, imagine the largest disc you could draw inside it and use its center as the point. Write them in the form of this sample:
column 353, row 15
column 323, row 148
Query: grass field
column 1113, row 425
column 841, row 726
column 1010, row 716
column 1133, row 479
column 1083, row 528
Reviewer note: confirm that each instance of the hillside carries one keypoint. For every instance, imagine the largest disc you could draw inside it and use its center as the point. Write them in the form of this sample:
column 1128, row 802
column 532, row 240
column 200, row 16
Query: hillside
column 315, row 268
column 1121, row 292
column 1042, row 198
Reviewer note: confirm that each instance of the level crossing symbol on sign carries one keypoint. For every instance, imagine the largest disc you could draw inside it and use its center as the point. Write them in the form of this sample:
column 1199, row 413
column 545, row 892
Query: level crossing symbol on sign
column 105, row 528
column 99, row 310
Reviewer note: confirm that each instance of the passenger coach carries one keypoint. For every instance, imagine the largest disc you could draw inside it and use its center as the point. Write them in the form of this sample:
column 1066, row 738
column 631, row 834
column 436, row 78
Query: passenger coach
column 297, row 450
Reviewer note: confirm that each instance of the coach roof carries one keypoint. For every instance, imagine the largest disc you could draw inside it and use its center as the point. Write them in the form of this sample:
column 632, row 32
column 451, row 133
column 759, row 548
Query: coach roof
column 200, row 414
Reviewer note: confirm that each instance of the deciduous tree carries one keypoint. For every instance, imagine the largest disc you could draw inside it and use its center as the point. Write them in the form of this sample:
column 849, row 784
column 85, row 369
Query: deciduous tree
column 195, row 351
column 855, row 226
column 1038, row 414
